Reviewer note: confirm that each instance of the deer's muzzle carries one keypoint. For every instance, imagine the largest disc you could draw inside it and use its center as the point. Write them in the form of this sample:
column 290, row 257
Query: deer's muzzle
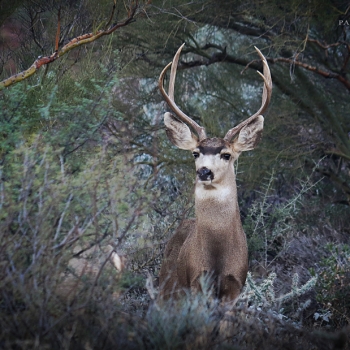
column 205, row 174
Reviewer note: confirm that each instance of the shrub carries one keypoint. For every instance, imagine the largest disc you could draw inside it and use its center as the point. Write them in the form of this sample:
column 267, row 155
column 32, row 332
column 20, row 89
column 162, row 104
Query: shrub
column 54, row 228
column 333, row 287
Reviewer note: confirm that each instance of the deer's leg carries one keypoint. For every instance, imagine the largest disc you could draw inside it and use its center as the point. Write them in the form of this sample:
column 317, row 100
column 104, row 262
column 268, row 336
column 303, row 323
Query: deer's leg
column 230, row 288
column 169, row 282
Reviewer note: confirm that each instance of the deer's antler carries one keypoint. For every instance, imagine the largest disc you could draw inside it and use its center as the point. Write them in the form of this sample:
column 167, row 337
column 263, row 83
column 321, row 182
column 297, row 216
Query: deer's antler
column 266, row 97
column 170, row 98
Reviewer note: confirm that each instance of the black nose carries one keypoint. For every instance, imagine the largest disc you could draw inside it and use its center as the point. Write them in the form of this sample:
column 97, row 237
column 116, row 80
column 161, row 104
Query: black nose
column 205, row 174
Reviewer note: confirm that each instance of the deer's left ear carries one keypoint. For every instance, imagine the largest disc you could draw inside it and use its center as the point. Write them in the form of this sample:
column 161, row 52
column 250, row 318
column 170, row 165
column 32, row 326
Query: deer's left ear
column 249, row 136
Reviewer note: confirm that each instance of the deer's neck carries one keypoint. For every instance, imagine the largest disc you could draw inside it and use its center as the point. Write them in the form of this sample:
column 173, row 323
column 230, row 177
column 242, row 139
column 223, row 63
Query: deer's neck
column 217, row 211
column 219, row 234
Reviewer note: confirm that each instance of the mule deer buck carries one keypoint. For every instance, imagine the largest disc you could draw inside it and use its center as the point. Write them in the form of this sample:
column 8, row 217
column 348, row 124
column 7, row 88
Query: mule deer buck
column 214, row 242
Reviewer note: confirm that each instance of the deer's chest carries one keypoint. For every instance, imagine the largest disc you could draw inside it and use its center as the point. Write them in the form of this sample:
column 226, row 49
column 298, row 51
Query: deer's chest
column 212, row 252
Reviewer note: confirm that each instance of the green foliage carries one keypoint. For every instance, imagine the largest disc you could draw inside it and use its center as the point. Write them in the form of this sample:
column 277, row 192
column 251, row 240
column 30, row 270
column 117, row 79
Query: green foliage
column 17, row 121
column 257, row 321
column 130, row 280
column 192, row 321
column 333, row 287
column 263, row 296
column 270, row 221
column 47, row 217
column 68, row 113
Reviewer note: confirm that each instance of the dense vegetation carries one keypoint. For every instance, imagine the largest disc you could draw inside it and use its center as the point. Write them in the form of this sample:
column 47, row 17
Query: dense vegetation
column 86, row 169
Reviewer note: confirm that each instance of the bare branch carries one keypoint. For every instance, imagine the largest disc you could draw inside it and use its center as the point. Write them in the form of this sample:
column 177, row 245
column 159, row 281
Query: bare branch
column 58, row 29
column 324, row 73
column 223, row 56
column 76, row 42
column 323, row 46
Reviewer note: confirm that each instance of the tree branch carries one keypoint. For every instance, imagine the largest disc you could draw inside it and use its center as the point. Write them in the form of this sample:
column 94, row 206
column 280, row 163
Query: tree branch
column 324, row 73
column 78, row 41
column 336, row 180
column 223, row 56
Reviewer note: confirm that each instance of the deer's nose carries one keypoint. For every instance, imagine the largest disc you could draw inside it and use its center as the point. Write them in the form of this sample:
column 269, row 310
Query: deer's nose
column 205, row 174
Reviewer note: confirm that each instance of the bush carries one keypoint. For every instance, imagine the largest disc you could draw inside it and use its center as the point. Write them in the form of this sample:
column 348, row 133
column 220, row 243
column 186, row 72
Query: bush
column 55, row 228
column 333, row 287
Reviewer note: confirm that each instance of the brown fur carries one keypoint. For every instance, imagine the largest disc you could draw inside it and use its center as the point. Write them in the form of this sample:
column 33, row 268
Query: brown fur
column 214, row 243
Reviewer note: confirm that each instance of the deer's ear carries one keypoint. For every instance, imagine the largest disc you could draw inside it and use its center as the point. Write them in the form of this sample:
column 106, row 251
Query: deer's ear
column 179, row 133
column 249, row 136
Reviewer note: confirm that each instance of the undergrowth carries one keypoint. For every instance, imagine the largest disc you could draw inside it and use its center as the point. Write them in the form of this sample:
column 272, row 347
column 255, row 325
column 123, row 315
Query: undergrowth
column 60, row 290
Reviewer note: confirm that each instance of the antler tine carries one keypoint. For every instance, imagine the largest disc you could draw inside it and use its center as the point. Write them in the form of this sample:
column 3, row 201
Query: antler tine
column 266, row 97
column 170, row 98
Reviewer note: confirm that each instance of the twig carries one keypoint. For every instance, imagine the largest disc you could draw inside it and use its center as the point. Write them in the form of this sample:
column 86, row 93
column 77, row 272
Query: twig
column 76, row 42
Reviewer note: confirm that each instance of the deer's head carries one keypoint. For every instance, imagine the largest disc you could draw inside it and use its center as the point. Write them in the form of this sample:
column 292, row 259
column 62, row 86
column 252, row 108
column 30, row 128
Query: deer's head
column 214, row 157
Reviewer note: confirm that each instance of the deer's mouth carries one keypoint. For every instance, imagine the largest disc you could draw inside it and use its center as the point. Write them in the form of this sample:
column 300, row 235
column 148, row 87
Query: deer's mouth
column 205, row 182
column 205, row 179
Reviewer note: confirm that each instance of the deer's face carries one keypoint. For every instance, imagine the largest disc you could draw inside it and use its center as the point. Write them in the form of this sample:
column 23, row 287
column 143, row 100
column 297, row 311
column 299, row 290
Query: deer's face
column 214, row 159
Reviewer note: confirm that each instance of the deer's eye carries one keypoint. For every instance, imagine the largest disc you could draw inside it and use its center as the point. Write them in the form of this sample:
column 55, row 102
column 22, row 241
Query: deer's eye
column 195, row 155
column 226, row 156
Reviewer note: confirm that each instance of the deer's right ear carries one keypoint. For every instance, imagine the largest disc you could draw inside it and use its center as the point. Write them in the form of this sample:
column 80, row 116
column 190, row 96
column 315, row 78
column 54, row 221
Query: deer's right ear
column 179, row 133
